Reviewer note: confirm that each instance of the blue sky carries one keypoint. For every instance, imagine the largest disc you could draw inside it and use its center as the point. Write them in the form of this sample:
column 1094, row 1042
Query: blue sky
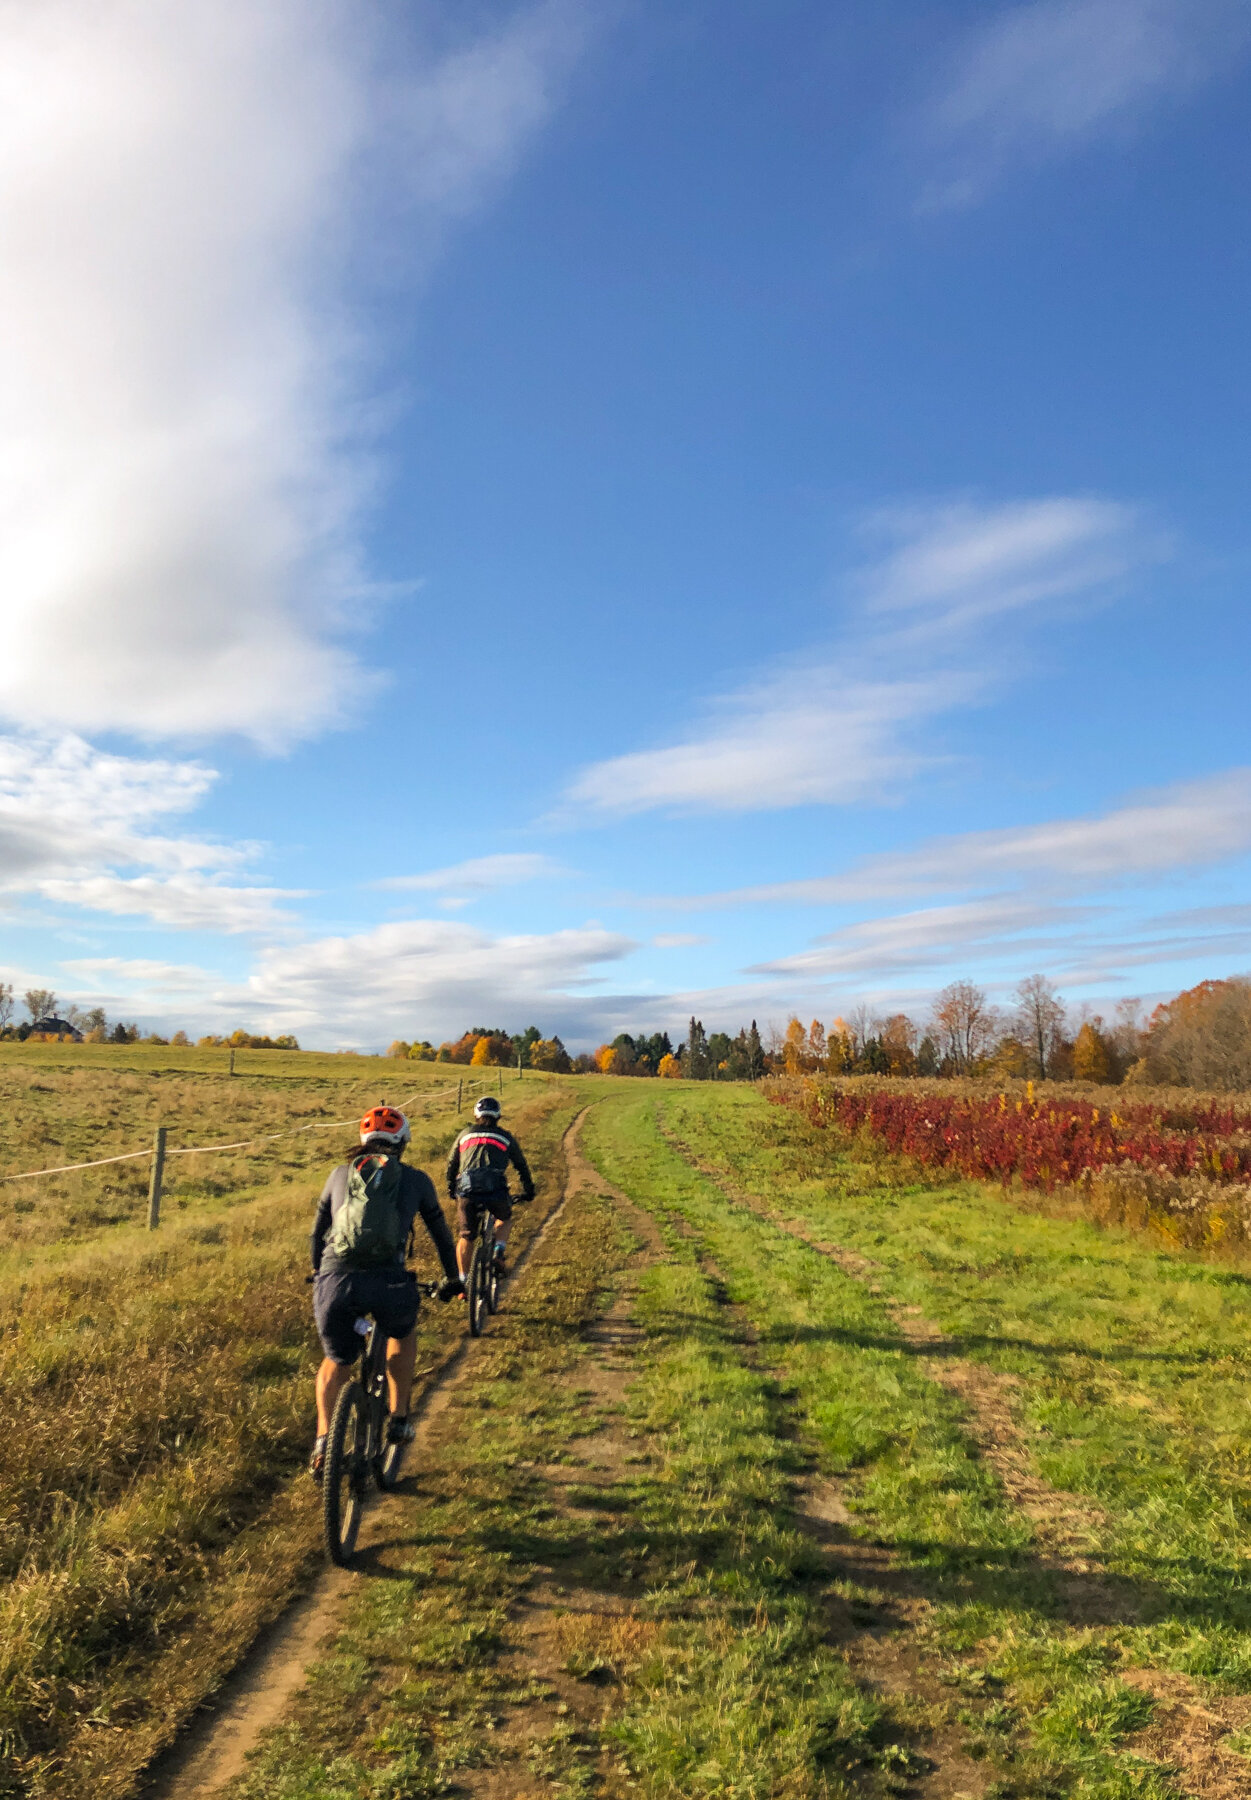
column 580, row 513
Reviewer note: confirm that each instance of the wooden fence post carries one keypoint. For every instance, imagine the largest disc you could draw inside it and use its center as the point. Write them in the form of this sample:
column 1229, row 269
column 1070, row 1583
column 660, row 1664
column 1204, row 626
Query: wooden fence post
column 520, row 1070
column 232, row 1059
column 158, row 1173
column 501, row 1083
column 460, row 1084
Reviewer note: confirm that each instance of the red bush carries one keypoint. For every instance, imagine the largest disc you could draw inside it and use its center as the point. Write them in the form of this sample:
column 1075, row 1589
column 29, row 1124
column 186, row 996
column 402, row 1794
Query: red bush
column 1040, row 1143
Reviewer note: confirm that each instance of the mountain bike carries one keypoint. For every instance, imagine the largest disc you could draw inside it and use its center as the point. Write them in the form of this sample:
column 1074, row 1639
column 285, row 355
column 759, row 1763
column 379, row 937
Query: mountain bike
column 356, row 1446
column 482, row 1284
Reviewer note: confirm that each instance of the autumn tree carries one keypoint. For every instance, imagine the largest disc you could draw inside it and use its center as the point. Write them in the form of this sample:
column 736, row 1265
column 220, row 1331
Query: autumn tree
column 964, row 1024
column 840, row 1054
column 898, row 1037
column 399, row 1047
column 1091, row 1061
column 1039, row 1020
column 817, row 1047
column 670, row 1068
column 6, row 1004
column 795, row 1047
column 720, row 1046
column 1203, row 1037
column 606, row 1059
column 550, row 1055
column 40, row 1004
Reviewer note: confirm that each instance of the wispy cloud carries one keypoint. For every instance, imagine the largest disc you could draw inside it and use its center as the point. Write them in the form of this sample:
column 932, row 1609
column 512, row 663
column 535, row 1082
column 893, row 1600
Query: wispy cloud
column 1190, row 825
column 479, row 875
column 1041, row 80
column 188, row 196
column 842, row 725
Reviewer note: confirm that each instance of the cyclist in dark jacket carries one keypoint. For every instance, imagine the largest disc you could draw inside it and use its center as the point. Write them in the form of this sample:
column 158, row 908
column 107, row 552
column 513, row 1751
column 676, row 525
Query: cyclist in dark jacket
column 477, row 1177
column 345, row 1292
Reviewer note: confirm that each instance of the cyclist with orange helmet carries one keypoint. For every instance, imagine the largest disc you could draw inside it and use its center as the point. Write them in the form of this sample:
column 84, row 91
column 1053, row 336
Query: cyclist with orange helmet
column 362, row 1236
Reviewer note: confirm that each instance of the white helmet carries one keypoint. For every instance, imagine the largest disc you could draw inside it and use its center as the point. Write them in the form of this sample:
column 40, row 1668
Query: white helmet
column 487, row 1108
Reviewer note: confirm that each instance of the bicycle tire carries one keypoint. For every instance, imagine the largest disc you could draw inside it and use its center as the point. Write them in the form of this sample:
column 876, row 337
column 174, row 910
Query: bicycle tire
column 493, row 1282
column 343, row 1484
column 387, row 1465
column 477, row 1289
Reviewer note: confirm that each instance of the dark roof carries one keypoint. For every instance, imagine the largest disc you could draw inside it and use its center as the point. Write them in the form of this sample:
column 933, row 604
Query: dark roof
column 61, row 1027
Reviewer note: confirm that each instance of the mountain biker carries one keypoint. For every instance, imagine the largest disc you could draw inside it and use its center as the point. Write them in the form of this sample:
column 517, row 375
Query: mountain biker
column 362, row 1236
column 477, row 1176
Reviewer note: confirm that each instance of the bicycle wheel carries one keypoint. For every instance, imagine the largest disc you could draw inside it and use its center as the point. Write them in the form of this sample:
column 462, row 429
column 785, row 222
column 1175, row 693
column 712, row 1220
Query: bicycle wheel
column 493, row 1281
column 479, row 1276
column 344, row 1482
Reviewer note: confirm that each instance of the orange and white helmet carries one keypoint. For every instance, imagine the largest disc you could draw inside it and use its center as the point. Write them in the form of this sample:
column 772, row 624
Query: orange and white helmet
column 386, row 1125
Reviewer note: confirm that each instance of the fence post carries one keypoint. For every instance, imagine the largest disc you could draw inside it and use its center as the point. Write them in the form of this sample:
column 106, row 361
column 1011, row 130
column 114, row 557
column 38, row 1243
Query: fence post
column 501, row 1083
column 158, row 1172
column 520, row 1071
column 460, row 1084
column 232, row 1059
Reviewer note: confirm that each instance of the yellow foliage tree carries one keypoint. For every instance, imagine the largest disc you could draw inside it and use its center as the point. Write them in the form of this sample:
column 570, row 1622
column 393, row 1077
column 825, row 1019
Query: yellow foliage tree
column 670, row 1068
column 606, row 1059
column 399, row 1047
column 481, row 1054
column 1091, row 1061
column 795, row 1047
column 817, row 1047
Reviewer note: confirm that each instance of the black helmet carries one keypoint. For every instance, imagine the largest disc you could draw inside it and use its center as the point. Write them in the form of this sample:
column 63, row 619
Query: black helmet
column 487, row 1108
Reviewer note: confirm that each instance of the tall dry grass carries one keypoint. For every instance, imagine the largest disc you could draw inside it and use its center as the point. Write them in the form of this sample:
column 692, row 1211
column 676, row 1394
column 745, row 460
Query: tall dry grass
column 156, row 1389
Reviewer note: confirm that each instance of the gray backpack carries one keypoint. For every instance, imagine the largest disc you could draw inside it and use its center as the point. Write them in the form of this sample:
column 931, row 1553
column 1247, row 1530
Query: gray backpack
column 369, row 1231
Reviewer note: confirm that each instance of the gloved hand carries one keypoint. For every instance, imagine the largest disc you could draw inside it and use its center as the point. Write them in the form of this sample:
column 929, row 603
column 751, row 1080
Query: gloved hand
column 450, row 1287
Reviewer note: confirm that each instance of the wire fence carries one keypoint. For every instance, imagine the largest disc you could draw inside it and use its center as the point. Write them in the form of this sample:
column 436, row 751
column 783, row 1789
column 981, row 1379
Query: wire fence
column 462, row 1089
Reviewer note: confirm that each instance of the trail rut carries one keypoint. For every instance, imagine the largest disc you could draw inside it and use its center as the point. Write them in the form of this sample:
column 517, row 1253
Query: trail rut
column 214, row 1748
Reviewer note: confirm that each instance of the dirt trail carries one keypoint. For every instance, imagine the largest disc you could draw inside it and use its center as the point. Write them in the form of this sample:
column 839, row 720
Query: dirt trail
column 579, row 1639
column 214, row 1748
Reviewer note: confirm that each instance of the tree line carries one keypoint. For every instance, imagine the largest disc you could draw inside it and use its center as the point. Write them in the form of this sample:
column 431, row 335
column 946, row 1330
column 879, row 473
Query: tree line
column 1200, row 1038
column 51, row 1019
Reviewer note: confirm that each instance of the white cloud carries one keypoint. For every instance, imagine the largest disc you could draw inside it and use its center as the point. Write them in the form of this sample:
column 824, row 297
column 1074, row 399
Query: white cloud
column 809, row 735
column 1040, row 80
column 186, row 196
column 78, row 826
column 678, row 940
column 1193, row 824
column 478, row 875
column 432, row 977
column 839, row 727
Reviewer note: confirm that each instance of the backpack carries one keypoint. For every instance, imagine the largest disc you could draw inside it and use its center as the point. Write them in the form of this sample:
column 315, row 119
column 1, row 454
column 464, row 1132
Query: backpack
column 369, row 1230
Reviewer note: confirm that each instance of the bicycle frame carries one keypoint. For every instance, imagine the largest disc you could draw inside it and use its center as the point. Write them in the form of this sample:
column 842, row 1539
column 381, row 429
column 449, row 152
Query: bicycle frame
column 356, row 1447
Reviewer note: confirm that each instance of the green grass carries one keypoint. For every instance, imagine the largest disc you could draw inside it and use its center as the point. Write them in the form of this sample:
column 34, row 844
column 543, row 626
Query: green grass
column 728, row 1686
column 864, row 1403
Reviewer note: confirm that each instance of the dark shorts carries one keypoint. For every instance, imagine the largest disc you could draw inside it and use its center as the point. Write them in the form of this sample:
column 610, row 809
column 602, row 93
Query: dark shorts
column 469, row 1209
column 342, row 1296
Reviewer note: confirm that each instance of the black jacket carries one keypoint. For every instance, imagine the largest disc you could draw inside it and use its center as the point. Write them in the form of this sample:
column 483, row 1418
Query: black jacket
column 489, row 1149
column 417, row 1197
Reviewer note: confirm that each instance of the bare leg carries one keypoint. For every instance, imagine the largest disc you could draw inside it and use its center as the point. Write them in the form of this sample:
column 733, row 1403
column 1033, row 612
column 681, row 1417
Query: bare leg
column 401, row 1361
column 331, row 1379
column 502, row 1229
column 464, row 1250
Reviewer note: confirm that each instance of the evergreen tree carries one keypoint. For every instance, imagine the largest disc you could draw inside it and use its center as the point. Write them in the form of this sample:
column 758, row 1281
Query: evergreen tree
column 696, row 1052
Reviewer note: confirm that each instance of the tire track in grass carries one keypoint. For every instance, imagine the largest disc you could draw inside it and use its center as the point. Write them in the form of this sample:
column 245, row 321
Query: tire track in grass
column 1038, row 1700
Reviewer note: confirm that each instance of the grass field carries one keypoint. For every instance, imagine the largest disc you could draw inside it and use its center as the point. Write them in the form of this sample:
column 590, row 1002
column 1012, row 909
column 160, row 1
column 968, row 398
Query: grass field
column 787, row 1471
